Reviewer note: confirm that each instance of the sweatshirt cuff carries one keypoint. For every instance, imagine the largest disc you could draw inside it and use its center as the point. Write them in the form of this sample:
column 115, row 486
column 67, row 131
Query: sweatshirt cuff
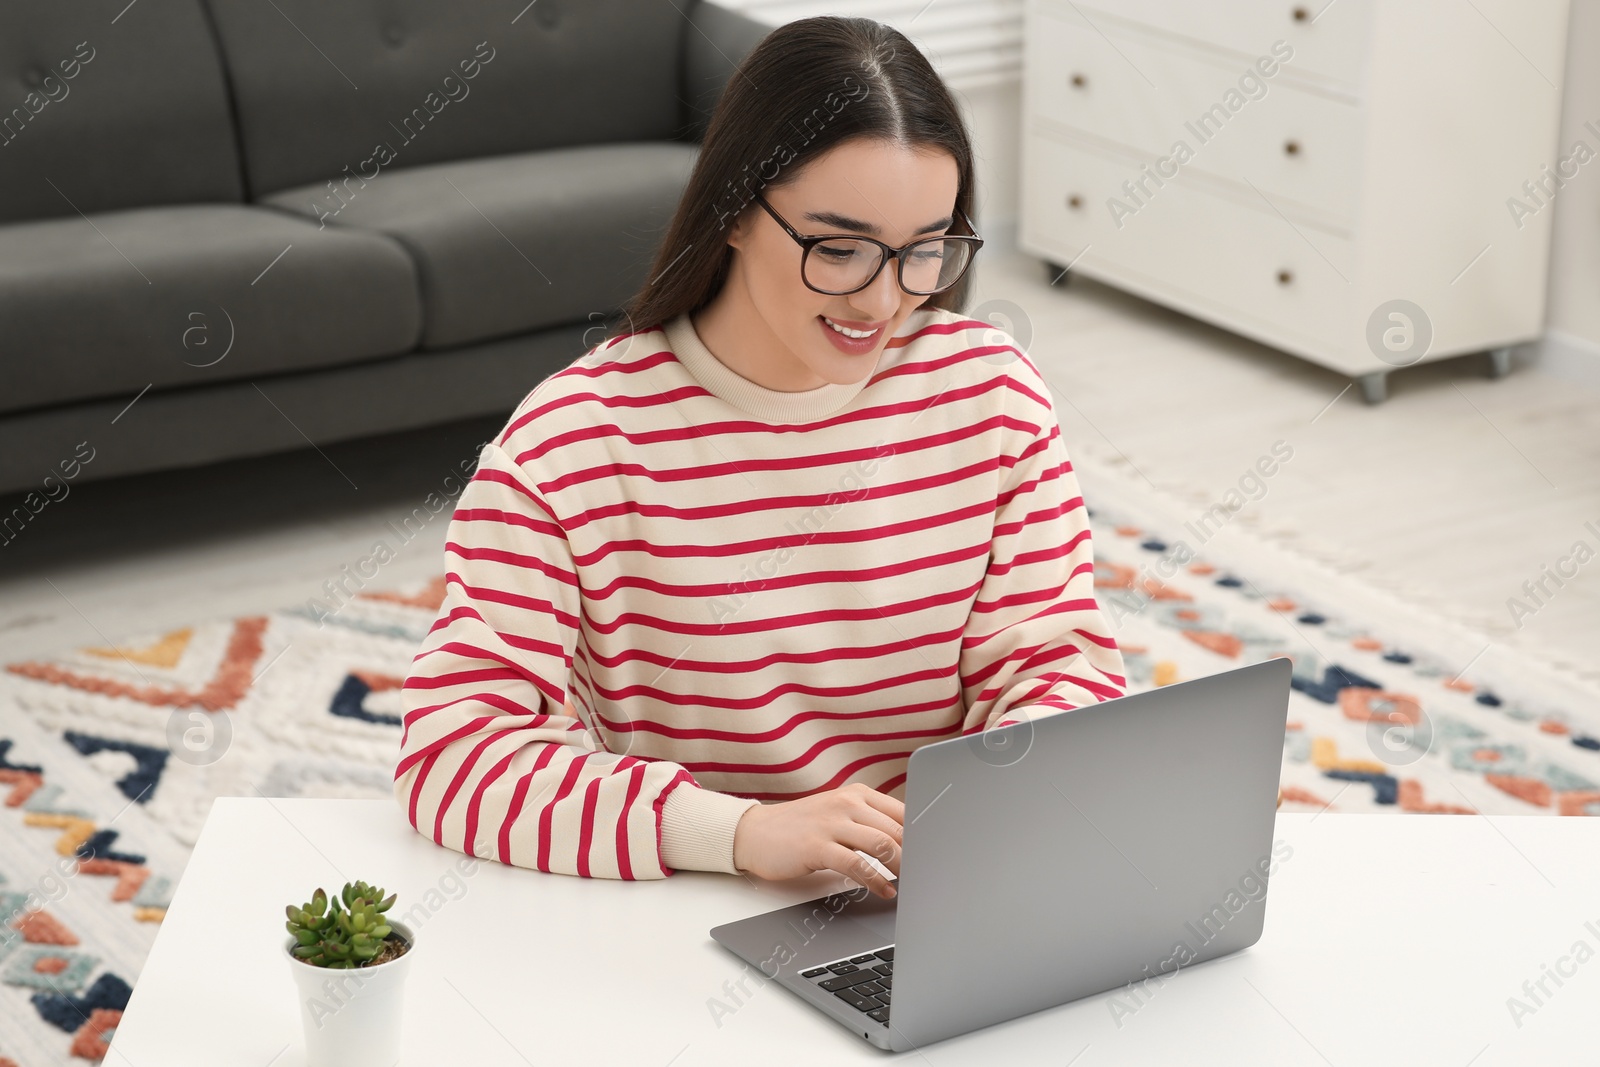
column 697, row 827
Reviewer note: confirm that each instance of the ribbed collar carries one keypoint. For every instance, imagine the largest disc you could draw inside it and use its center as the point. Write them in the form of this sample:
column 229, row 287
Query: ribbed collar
column 769, row 404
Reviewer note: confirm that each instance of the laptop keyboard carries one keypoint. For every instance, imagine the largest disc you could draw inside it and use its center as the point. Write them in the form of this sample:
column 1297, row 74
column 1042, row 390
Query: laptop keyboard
column 862, row 981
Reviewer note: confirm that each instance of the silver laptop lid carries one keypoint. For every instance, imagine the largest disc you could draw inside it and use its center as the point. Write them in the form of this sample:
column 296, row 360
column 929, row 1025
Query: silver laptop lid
column 1052, row 859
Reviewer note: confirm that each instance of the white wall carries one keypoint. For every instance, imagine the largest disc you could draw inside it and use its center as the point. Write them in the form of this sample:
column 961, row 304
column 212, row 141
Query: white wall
column 994, row 122
column 1573, row 311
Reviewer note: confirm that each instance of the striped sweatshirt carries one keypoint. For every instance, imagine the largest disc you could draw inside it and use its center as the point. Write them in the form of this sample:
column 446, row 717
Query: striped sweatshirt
column 672, row 593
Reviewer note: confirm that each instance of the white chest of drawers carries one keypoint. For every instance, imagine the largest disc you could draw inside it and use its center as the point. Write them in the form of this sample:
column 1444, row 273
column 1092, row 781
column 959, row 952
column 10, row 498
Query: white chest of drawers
column 1363, row 183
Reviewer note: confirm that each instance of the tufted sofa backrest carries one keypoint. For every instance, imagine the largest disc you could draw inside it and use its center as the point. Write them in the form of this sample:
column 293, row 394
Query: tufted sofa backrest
column 327, row 89
column 107, row 105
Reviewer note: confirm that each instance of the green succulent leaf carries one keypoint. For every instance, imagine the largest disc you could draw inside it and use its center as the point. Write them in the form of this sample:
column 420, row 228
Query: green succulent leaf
column 342, row 930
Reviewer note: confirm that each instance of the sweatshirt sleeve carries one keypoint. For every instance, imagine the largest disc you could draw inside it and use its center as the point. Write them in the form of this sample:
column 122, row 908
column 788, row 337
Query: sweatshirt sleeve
column 489, row 765
column 1035, row 638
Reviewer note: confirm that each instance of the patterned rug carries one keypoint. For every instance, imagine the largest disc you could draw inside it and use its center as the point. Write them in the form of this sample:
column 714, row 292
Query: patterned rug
column 110, row 757
column 85, row 879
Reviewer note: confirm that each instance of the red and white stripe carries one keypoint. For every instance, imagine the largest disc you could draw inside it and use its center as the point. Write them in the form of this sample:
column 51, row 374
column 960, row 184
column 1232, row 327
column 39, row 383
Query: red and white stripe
column 741, row 607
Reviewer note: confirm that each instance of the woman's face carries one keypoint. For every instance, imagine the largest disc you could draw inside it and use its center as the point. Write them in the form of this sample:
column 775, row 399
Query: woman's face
column 781, row 337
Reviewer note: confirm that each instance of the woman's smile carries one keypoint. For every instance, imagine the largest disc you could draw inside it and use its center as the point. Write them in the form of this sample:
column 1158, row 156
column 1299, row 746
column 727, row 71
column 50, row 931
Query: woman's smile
column 850, row 336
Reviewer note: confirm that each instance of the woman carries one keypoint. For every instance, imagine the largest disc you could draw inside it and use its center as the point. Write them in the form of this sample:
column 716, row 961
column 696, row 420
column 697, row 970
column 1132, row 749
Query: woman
column 800, row 519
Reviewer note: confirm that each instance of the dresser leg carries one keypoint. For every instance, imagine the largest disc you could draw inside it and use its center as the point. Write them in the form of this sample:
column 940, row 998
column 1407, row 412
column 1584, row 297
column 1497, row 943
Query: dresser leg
column 1055, row 273
column 1374, row 386
column 1499, row 362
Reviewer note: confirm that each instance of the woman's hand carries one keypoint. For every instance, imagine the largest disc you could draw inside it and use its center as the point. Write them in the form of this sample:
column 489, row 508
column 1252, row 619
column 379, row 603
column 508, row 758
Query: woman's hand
column 821, row 833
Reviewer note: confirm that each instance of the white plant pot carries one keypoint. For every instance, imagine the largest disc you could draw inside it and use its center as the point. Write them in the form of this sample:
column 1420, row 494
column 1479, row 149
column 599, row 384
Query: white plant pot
column 352, row 1016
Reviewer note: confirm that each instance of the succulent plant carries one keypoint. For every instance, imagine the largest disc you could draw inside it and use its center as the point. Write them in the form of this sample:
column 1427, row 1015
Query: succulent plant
column 333, row 936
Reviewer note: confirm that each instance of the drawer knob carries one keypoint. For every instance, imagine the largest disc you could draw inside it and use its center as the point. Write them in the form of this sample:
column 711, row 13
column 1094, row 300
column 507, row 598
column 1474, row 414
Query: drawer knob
column 1079, row 81
column 1301, row 14
column 1074, row 201
column 1291, row 147
column 1285, row 277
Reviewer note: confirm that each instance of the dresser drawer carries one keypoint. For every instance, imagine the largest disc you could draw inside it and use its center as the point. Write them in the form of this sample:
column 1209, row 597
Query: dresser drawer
column 1329, row 37
column 1239, row 264
column 1198, row 110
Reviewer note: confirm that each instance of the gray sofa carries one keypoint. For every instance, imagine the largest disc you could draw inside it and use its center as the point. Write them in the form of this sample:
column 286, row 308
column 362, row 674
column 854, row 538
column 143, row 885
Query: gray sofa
column 233, row 227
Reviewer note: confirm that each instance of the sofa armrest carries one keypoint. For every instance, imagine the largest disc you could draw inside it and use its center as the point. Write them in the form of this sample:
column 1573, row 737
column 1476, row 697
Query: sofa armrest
column 714, row 42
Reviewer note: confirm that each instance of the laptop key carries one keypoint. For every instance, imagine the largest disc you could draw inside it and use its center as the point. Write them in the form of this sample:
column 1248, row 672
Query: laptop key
column 842, row 968
column 886, row 953
column 862, row 959
column 845, row 981
column 884, row 968
column 867, row 989
column 813, row 972
column 881, row 1015
column 857, row 1001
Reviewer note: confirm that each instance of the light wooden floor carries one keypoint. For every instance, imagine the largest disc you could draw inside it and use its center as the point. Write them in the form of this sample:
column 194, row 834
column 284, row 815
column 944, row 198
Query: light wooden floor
column 1453, row 493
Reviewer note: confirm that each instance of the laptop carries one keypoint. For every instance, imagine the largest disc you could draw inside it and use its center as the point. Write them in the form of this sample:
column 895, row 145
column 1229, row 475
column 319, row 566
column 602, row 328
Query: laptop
column 1048, row 860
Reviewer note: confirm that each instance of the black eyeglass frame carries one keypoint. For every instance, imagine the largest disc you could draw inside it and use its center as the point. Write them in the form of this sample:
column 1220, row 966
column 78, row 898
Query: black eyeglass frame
column 889, row 252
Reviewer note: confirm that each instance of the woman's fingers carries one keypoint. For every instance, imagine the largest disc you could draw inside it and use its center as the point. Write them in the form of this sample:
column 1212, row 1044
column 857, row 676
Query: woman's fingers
column 894, row 809
column 875, row 843
column 845, row 861
column 887, row 814
column 881, row 826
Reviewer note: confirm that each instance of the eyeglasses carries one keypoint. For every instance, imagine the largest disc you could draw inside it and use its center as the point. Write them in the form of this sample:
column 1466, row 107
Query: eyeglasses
column 838, row 264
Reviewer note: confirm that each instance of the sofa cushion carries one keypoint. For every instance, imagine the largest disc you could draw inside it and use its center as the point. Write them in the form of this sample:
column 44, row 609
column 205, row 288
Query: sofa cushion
column 320, row 85
column 106, row 305
column 515, row 243
column 104, row 105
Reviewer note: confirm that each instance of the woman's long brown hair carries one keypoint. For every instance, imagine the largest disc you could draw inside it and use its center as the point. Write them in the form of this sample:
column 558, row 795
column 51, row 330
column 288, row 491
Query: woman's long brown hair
column 807, row 86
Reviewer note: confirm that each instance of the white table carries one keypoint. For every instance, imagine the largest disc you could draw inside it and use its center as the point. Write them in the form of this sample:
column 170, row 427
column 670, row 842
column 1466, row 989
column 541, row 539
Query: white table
column 1390, row 939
